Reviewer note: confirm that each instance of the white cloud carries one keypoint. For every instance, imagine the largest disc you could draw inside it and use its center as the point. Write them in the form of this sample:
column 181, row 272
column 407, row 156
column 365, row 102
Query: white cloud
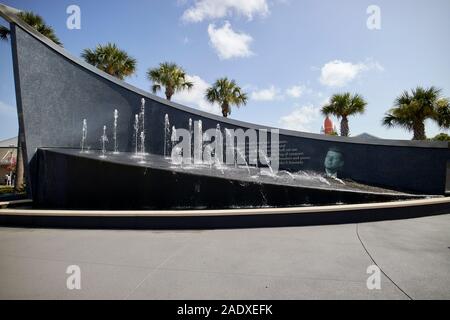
column 195, row 97
column 296, row 91
column 268, row 94
column 301, row 118
column 274, row 93
column 215, row 9
column 338, row 73
column 228, row 43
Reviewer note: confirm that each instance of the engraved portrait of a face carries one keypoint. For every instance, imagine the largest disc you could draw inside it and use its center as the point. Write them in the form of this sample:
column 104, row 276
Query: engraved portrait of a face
column 334, row 162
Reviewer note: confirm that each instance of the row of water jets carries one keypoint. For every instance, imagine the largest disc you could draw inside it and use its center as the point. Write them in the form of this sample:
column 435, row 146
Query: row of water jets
column 173, row 152
column 139, row 131
column 206, row 156
column 203, row 155
column 170, row 140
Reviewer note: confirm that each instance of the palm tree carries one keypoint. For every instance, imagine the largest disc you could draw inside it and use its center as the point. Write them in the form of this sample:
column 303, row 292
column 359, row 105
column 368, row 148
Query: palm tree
column 226, row 93
column 110, row 59
column 4, row 33
column 343, row 106
column 35, row 21
column 412, row 109
column 170, row 76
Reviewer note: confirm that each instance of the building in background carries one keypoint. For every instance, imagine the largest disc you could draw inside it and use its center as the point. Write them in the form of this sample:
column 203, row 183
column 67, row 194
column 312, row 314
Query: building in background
column 8, row 160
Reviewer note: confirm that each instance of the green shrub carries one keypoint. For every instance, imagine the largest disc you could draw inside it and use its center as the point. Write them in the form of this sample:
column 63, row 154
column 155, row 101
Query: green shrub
column 442, row 137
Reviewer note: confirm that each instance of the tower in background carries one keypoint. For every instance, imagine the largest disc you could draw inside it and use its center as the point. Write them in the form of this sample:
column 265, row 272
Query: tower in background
column 328, row 127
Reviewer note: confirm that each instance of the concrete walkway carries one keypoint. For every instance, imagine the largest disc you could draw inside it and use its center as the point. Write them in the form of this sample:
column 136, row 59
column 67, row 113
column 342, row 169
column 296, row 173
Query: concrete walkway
column 323, row 262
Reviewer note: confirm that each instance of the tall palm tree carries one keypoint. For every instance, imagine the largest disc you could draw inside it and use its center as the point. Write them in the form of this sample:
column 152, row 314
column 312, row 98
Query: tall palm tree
column 35, row 21
column 343, row 106
column 226, row 93
column 110, row 59
column 170, row 76
column 38, row 23
column 411, row 109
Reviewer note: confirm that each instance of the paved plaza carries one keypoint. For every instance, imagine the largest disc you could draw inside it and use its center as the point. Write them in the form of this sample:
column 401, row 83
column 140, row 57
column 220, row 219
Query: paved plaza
column 320, row 262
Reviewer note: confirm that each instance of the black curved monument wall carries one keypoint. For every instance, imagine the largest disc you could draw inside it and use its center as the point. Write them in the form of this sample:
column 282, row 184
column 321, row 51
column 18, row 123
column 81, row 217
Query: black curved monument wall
column 56, row 91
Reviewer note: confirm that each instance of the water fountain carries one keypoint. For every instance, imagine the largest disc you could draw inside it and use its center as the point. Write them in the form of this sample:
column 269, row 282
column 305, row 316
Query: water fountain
column 104, row 140
column 49, row 139
column 288, row 173
column 207, row 157
column 167, row 137
column 142, row 144
column 191, row 134
column 173, row 140
column 143, row 114
column 337, row 179
column 218, row 152
column 321, row 179
column 173, row 137
column 176, row 155
column 198, row 142
column 136, row 134
column 142, row 134
column 210, row 154
column 219, row 165
column 235, row 152
column 311, row 176
column 268, row 162
column 83, row 135
column 205, row 152
column 231, row 150
column 239, row 152
column 116, row 117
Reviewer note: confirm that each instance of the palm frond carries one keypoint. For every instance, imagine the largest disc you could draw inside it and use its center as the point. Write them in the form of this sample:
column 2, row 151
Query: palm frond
column 37, row 22
column 442, row 116
column 156, row 88
column 344, row 105
column 110, row 59
column 4, row 33
column 226, row 93
column 411, row 109
column 170, row 76
column 391, row 121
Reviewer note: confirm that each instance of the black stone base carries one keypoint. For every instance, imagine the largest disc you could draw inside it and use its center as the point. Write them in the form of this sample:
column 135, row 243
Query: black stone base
column 68, row 180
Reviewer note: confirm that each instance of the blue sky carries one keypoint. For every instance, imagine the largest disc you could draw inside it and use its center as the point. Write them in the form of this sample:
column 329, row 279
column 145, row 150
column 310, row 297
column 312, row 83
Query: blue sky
column 290, row 56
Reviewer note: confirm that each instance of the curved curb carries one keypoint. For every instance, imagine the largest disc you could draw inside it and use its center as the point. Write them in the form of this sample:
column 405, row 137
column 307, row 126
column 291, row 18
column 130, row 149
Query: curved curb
column 222, row 219
column 225, row 212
